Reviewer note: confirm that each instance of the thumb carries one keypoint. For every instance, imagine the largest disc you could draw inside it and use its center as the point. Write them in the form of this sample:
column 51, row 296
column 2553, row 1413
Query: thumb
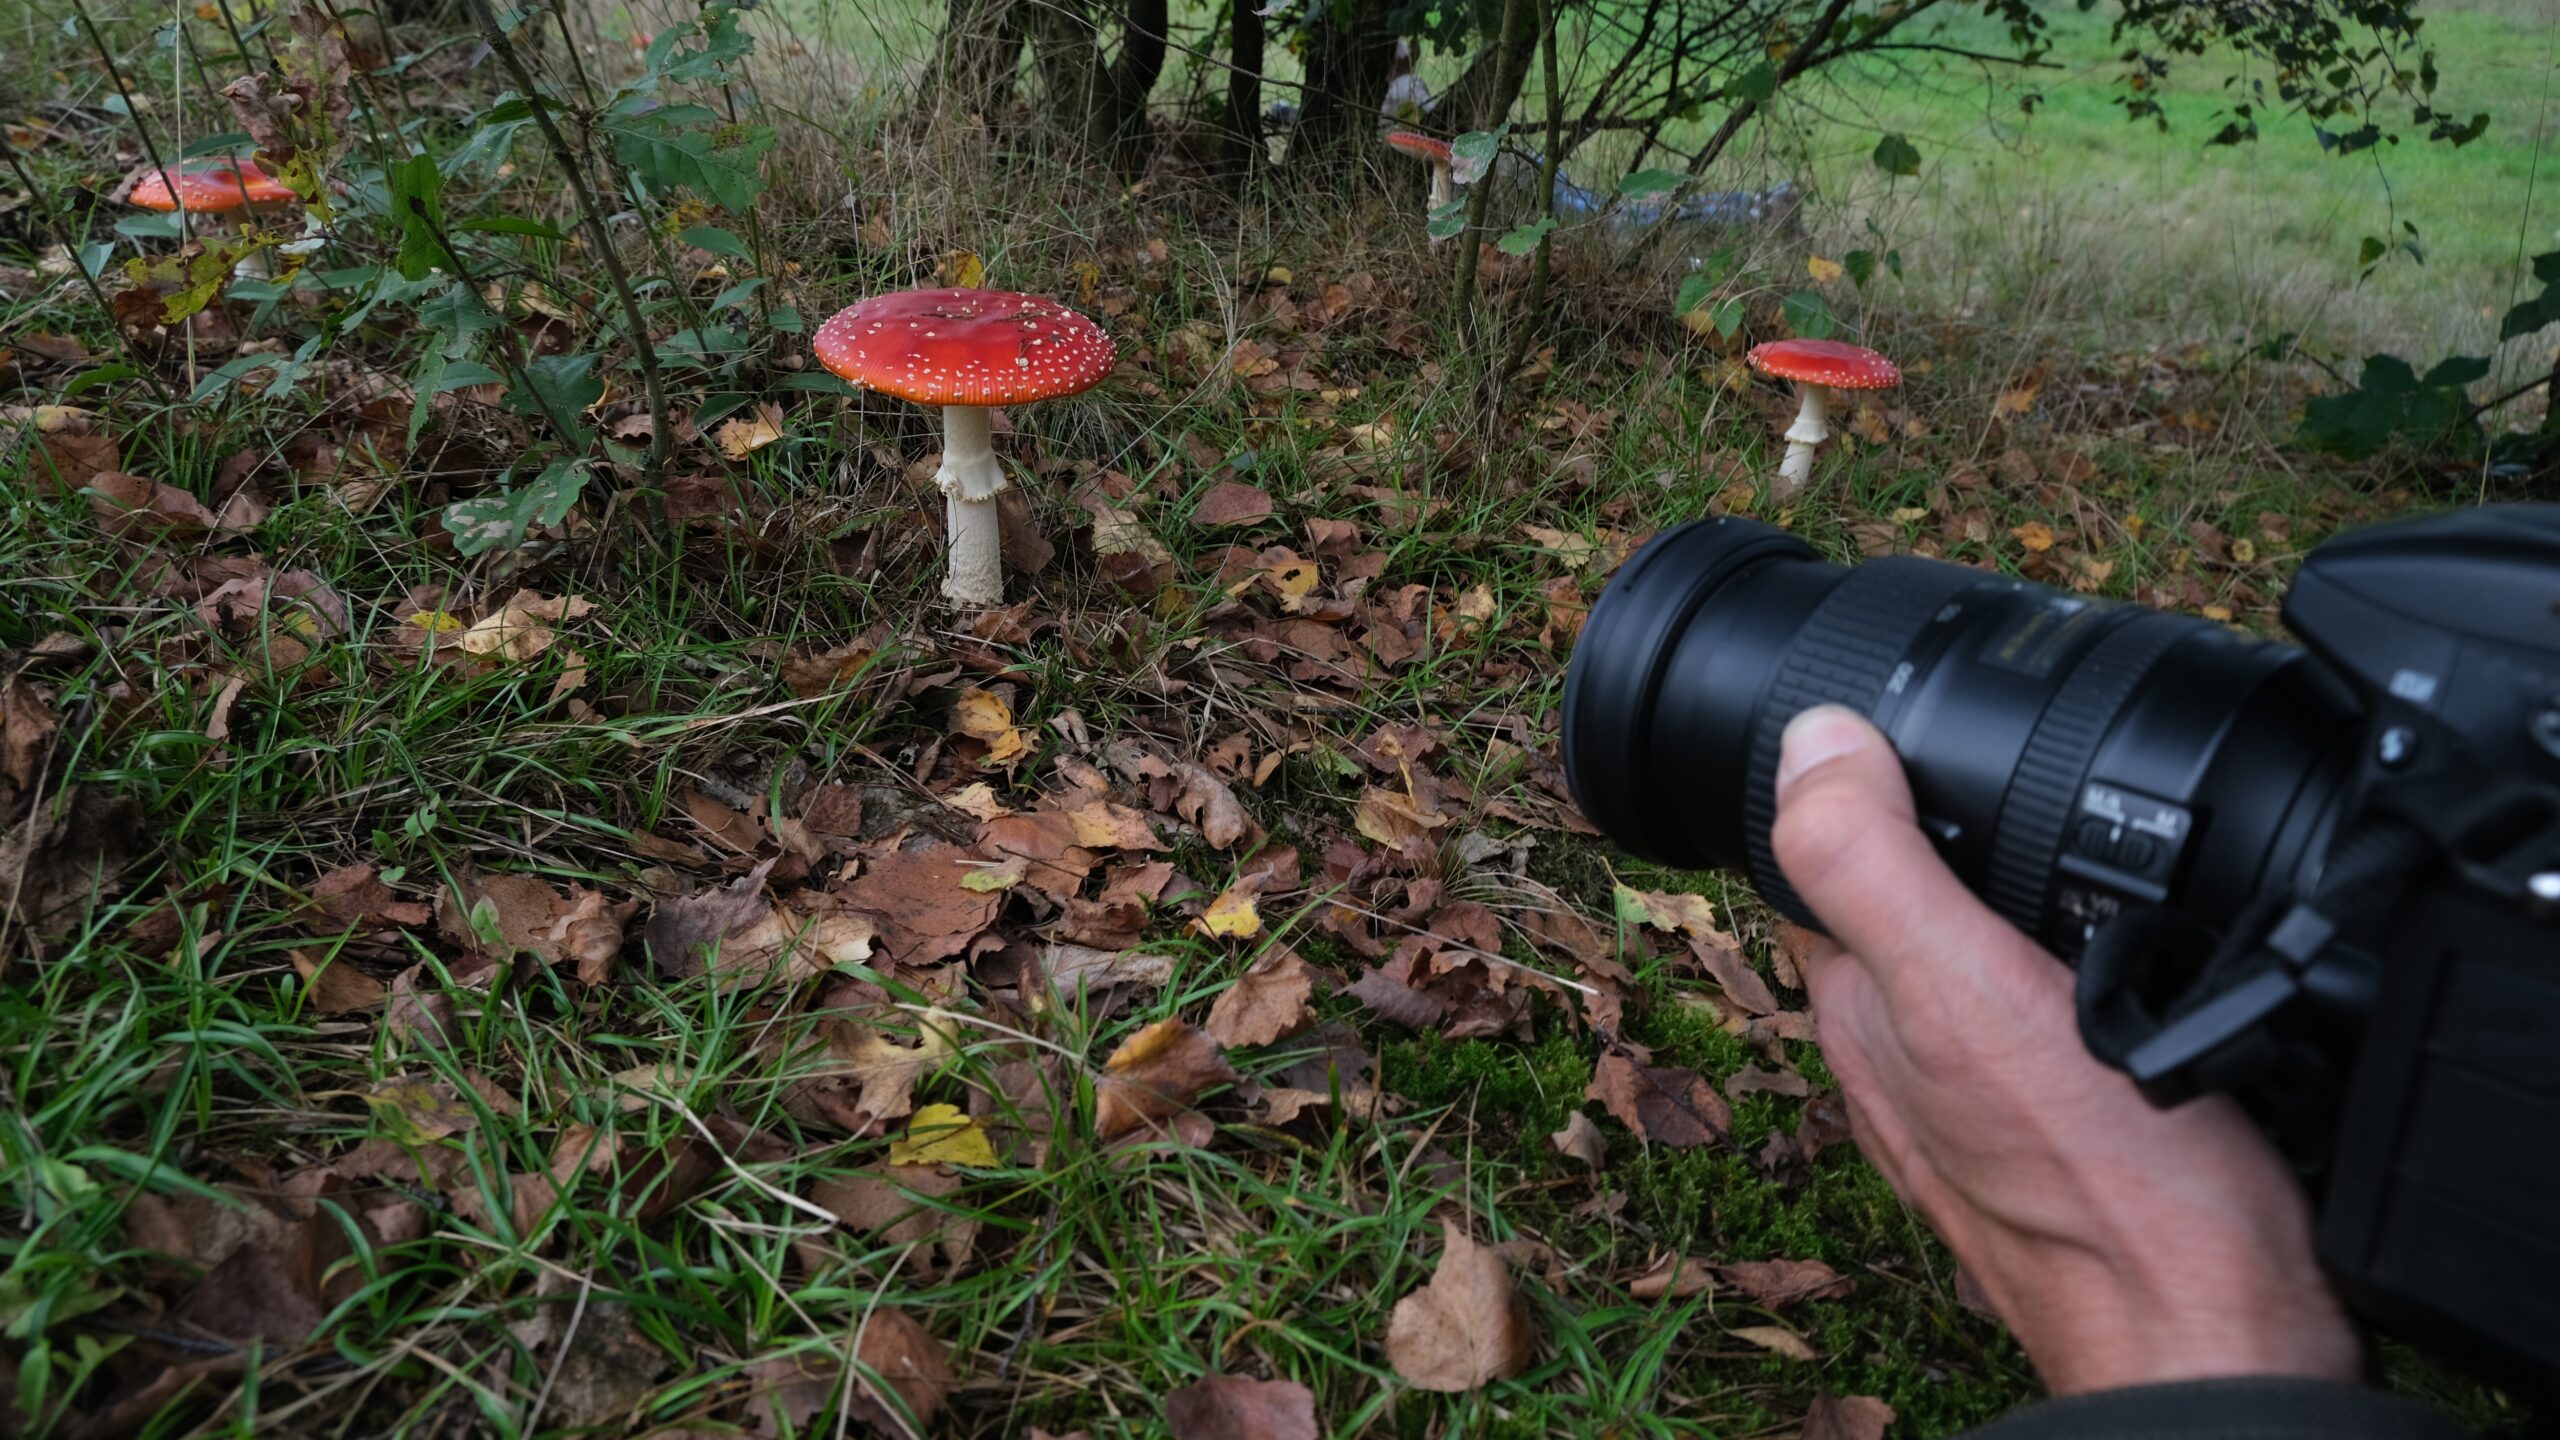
column 1850, row 843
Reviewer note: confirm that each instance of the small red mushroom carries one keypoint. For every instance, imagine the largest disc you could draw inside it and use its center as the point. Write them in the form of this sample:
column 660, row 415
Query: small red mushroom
column 1443, row 188
column 1817, row 367
column 223, row 185
column 212, row 189
column 967, row 351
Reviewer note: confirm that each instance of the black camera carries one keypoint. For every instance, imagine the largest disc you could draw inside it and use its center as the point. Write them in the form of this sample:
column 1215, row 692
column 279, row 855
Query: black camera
column 2323, row 879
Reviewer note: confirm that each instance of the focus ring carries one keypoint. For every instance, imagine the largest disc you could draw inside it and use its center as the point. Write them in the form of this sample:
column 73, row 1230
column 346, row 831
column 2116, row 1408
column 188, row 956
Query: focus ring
column 1845, row 655
column 2042, row 790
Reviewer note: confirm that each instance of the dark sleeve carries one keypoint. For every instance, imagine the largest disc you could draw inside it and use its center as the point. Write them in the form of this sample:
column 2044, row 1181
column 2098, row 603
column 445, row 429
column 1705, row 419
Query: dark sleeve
column 2242, row 1409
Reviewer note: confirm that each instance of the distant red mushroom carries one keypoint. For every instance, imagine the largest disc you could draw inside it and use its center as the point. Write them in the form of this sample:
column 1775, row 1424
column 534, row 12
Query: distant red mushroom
column 223, row 185
column 967, row 351
column 1817, row 367
column 1443, row 188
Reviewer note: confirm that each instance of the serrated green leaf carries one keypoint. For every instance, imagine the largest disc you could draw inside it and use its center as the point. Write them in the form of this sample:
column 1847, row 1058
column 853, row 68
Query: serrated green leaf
column 1861, row 265
column 1447, row 220
column 1895, row 155
column 1645, row 183
column 1808, row 315
column 690, row 147
column 1471, row 155
column 1693, row 293
column 715, row 240
column 417, row 203
column 1756, row 84
column 513, row 225
column 1728, row 316
column 491, row 522
column 1521, row 239
column 558, row 388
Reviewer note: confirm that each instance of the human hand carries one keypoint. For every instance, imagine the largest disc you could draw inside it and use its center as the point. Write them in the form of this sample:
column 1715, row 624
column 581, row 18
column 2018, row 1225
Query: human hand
column 2124, row 1244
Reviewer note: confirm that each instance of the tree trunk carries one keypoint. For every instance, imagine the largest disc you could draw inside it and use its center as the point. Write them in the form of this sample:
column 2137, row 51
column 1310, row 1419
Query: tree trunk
column 1116, row 124
column 1519, row 39
column 1063, row 49
column 1475, row 100
column 1351, row 52
column 1243, row 140
column 972, row 68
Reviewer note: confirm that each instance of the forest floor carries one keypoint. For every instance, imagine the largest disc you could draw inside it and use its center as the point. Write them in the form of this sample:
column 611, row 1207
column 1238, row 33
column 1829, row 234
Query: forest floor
column 673, row 977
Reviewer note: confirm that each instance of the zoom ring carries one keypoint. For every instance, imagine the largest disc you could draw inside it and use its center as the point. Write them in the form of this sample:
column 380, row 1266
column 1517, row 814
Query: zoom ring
column 2037, row 810
column 1845, row 655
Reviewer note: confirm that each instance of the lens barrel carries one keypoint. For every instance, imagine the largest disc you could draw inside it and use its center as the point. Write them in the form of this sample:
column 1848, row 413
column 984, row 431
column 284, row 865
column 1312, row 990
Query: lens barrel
column 2068, row 756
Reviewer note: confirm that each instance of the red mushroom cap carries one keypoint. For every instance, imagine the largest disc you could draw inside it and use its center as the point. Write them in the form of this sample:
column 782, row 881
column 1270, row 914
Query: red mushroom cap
column 1826, row 362
column 965, row 347
column 222, row 185
column 1422, row 145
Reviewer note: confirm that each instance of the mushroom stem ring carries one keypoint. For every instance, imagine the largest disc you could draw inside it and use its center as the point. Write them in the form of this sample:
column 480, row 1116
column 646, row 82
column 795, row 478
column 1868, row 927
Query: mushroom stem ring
column 1812, row 427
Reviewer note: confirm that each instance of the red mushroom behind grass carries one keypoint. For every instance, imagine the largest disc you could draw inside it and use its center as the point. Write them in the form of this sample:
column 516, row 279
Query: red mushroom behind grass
column 1817, row 367
column 1443, row 188
column 967, row 351
column 213, row 189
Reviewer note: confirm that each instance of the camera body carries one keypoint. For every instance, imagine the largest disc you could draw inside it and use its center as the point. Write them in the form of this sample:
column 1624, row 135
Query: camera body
column 2430, row 1122
column 2322, row 878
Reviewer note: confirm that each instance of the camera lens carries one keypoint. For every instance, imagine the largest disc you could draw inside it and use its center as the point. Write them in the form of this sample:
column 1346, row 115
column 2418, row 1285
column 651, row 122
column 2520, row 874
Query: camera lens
column 2069, row 756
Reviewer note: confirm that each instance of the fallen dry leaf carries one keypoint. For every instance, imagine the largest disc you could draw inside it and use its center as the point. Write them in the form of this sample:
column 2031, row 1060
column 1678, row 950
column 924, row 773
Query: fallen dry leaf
column 682, row 929
column 896, row 1205
column 1580, row 1140
column 1232, row 915
column 1846, row 1417
column 130, row 507
column 1664, row 1103
column 942, row 1135
column 521, row 629
column 1229, row 503
column 1674, row 1276
column 1230, row 1407
column 747, row 434
column 1777, row 1339
column 914, row 1374
column 1267, row 1002
column 925, row 912
column 1464, row 1328
column 1158, row 1073
column 1774, row 1284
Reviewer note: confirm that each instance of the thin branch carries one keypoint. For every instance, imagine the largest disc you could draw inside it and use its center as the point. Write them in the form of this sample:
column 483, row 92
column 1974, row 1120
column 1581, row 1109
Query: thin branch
column 653, row 469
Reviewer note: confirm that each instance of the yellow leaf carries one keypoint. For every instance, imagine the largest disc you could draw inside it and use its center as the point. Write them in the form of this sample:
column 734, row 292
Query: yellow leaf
column 436, row 622
column 2015, row 402
column 965, row 269
column 2218, row 612
column 2244, row 552
column 1004, row 876
column 942, row 1135
column 1823, row 271
column 981, row 713
column 2036, row 535
column 1277, row 275
column 1910, row 514
column 1294, row 579
column 747, row 434
column 1233, row 915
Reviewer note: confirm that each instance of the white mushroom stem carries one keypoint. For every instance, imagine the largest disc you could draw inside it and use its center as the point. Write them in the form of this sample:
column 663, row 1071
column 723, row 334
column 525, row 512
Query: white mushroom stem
column 1443, row 188
column 1808, row 431
column 970, row 479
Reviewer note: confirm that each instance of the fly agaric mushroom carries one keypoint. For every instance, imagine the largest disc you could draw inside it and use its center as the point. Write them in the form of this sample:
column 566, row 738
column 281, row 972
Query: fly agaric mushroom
column 1817, row 367
column 967, row 351
column 224, row 185
column 1443, row 188
column 212, row 189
